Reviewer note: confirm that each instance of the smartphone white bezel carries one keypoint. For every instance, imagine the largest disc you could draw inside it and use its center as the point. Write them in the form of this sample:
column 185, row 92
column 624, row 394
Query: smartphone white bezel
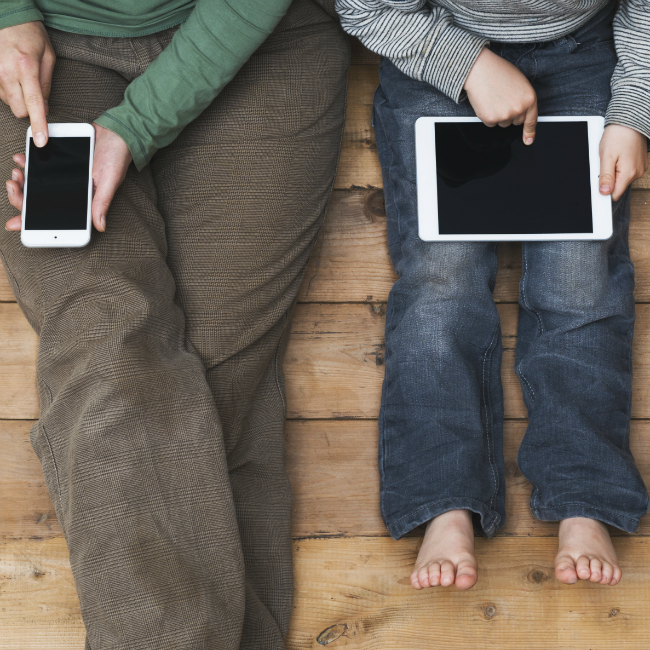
column 427, row 189
column 60, row 238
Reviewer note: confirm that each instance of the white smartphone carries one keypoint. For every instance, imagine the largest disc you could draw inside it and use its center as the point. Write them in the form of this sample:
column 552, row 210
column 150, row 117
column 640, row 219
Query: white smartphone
column 476, row 183
column 58, row 188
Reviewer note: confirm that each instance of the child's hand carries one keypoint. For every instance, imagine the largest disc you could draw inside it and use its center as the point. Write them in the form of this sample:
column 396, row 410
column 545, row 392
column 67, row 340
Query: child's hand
column 500, row 94
column 623, row 159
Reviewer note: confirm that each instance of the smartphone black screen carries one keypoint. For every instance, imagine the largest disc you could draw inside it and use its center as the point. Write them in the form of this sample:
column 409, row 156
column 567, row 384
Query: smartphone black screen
column 490, row 182
column 57, row 185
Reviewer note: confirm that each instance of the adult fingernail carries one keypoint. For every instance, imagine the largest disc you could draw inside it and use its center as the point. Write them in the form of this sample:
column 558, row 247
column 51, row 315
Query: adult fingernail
column 39, row 139
column 10, row 190
column 102, row 222
column 605, row 189
column 14, row 175
column 529, row 141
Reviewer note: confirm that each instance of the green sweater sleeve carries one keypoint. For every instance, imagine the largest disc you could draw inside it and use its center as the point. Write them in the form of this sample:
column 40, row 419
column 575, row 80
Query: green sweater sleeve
column 17, row 12
column 204, row 55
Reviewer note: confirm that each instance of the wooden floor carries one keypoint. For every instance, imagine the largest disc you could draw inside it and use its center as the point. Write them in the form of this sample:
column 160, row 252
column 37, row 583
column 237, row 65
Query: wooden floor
column 352, row 585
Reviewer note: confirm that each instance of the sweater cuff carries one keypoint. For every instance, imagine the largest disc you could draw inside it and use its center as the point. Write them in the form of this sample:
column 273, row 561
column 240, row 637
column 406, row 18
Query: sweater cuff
column 630, row 106
column 140, row 153
column 450, row 60
column 20, row 15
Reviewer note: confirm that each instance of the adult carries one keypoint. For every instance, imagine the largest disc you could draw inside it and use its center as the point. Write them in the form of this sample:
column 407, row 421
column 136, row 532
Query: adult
column 161, row 342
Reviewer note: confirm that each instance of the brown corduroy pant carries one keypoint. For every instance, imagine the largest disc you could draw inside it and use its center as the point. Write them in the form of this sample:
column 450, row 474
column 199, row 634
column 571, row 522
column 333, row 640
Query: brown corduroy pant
column 161, row 342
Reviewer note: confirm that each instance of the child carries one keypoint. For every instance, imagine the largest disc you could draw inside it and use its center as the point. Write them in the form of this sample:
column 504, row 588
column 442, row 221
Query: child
column 441, row 418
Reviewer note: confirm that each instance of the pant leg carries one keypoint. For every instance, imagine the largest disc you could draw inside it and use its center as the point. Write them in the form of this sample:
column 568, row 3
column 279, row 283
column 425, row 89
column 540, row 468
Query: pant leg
column 574, row 348
column 243, row 191
column 441, row 416
column 129, row 437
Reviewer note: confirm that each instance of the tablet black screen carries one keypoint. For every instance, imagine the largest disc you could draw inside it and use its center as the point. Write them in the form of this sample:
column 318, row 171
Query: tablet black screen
column 490, row 183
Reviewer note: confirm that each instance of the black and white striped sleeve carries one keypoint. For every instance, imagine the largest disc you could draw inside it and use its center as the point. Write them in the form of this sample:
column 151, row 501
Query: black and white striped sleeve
column 422, row 41
column 630, row 103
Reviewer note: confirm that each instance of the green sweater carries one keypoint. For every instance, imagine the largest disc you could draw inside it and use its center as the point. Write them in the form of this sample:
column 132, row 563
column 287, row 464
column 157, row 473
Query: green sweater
column 216, row 39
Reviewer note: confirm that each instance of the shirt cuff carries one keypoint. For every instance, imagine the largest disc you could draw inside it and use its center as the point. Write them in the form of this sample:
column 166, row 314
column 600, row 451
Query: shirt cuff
column 630, row 107
column 450, row 60
column 140, row 153
column 19, row 16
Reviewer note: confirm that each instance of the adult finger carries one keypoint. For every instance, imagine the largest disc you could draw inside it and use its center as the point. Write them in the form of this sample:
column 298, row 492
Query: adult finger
column 105, row 188
column 504, row 123
column 15, row 194
column 35, row 104
column 20, row 160
column 607, row 178
column 530, row 124
column 14, row 223
column 45, row 77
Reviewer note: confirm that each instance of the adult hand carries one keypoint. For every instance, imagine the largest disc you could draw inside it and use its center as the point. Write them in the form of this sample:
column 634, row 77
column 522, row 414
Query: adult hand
column 26, row 66
column 623, row 159
column 112, row 159
column 500, row 94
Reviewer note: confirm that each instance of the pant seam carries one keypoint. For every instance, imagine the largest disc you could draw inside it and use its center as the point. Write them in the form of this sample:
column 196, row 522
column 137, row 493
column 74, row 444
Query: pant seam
column 526, row 305
column 488, row 415
column 586, row 507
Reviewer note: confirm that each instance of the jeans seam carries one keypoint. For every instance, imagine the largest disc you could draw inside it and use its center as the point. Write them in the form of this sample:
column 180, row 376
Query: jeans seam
column 586, row 507
column 488, row 415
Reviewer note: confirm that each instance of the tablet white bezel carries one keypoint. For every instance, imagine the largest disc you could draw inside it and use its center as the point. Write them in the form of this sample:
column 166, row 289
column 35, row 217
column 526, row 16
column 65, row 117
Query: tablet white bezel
column 60, row 238
column 427, row 190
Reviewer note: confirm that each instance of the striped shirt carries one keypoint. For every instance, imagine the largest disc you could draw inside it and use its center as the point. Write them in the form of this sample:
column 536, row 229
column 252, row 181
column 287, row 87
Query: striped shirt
column 439, row 41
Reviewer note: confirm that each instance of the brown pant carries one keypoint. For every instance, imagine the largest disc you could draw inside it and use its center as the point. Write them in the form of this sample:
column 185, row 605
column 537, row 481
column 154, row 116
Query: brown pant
column 159, row 366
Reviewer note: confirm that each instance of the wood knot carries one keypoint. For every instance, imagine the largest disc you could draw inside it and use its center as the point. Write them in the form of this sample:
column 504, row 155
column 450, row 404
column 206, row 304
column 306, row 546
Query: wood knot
column 332, row 633
column 373, row 206
column 537, row 576
column 378, row 308
column 487, row 610
column 37, row 574
column 490, row 611
column 614, row 612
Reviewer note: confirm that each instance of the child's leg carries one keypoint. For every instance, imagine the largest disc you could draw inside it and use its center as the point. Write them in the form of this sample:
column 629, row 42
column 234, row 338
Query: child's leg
column 574, row 345
column 441, row 415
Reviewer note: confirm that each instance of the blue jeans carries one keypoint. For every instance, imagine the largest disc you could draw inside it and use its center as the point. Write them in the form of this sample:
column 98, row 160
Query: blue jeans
column 441, row 420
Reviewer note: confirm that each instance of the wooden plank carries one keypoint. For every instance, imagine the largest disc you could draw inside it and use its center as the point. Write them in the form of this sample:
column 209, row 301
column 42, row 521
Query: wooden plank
column 25, row 506
column 18, row 395
column 351, row 262
column 359, row 166
column 355, row 592
column 334, row 479
column 334, row 364
column 39, row 608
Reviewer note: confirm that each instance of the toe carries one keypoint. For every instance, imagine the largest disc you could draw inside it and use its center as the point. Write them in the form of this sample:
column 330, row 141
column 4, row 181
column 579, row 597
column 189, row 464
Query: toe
column 618, row 574
column 415, row 583
column 466, row 574
column 596, row 568
column 447, row 573
column 582, row 568
column 607, row 572
column 423, row 577
column 434, row 574
column 565, row 570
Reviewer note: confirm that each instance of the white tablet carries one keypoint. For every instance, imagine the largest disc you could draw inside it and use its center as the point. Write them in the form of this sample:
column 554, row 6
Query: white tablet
column 476, row 183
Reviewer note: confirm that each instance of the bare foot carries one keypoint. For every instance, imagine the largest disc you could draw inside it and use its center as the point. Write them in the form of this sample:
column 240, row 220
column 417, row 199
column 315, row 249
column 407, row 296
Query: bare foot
column 586, row 553
column 447, row 553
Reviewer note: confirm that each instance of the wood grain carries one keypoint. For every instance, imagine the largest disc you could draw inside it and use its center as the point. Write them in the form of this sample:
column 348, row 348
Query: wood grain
column 351, row 262
column 5, row 292
column 359, row 165
column 355, row 593
column 334, row 363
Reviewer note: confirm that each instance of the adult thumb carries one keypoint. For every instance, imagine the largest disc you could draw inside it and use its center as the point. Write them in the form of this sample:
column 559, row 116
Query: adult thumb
column 607, row 178
column 530, row 124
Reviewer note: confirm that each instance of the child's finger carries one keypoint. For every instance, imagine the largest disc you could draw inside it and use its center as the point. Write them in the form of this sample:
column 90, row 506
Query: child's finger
column 530, row 124
column 607, row 178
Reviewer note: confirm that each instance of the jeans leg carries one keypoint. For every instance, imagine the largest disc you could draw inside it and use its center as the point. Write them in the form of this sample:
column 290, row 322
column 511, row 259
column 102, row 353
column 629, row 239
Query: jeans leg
column 574, row 360
column 441, row 417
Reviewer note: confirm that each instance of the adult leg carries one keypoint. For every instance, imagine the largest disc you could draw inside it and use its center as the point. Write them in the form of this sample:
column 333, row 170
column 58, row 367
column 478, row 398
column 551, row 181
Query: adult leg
column 129, row 436
column 441, row 414
column 243, row 191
